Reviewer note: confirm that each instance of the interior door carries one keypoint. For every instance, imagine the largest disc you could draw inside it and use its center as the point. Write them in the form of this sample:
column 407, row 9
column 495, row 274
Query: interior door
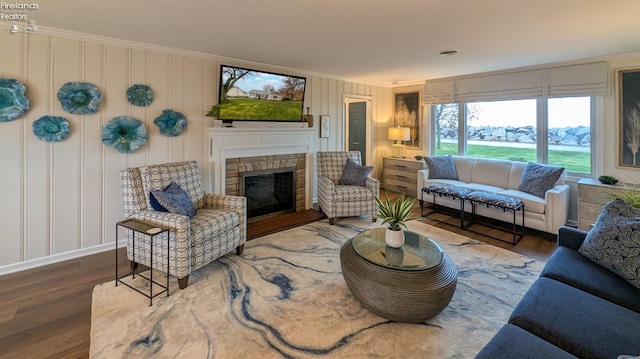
column 358, row 129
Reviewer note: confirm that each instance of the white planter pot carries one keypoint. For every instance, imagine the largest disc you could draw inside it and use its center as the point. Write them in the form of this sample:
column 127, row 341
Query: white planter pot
column 394, row 239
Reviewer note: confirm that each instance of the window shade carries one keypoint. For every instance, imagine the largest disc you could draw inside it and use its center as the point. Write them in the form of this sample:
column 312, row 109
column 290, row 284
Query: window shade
column 579, row 80
column 576, row 80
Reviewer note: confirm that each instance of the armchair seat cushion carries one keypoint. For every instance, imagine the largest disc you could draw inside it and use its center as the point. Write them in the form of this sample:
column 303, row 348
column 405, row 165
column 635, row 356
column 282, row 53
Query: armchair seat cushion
column 210, row 222
column 353, row 193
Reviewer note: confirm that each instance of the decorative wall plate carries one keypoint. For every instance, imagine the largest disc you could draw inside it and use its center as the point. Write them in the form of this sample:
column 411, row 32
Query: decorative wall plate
column 171, row 123
column 140, row 95
column 124, row 133
column 79, row 97
column 13, row 104
column 51, row 128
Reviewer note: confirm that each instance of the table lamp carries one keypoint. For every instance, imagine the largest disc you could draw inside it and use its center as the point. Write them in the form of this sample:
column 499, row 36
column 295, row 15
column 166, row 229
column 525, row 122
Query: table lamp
column 399, row 134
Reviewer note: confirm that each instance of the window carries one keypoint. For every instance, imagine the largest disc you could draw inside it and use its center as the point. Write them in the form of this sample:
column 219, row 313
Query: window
column 502, row 129
column 569, row 134
column 446, row 129
column 518, row 130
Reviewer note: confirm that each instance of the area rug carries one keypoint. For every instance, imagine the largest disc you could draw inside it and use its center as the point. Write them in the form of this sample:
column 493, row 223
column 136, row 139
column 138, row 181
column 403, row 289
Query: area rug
column 285, row 297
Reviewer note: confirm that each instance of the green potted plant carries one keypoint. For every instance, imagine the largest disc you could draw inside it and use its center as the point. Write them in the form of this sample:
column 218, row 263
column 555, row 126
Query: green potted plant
column 215, row 113
column 606, row 179
column 395, row 213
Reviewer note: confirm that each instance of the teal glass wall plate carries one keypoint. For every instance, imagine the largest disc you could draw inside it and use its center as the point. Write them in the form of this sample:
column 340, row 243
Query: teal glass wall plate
column 171, row 123
column 13, row 103
column 79, row 97
column 140, row 95
column 51, row 128
column 124, row 133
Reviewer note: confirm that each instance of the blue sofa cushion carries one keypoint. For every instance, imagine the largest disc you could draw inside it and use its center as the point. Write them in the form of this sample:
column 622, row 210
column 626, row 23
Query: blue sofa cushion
column 614, row 241
column 570, row 267
column 441, row 167
column 576, row 321
column 514, row 342
column 537, row 179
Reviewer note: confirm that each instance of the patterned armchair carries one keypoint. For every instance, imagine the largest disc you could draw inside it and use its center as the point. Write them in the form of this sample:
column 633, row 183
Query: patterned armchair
column 344, row 200
column 219, row 225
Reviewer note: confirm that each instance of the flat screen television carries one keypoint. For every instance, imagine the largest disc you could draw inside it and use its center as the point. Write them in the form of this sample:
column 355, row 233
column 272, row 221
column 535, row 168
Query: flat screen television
column 252, row 95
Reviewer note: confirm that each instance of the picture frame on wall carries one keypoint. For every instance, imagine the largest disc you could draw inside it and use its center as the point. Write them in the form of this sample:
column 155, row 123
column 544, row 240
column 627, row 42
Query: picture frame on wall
column 325, row 126
column 628, row 101
column 407, row 112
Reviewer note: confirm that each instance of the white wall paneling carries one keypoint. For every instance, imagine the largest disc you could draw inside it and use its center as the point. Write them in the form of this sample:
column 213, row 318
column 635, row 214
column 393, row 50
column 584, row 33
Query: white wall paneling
column 63, row 199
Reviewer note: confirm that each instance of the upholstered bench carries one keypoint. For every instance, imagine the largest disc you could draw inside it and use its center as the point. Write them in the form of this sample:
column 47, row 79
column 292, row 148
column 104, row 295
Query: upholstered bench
column 503, row 202
column 445, row 190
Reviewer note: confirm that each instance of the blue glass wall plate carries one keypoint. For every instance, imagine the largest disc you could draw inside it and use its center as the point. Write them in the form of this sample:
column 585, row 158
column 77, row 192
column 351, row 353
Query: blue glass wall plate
column 171, row 123
column 124, row 133
column 13, row 104
column 51, row 128
column 79, row 97
column 140, row 95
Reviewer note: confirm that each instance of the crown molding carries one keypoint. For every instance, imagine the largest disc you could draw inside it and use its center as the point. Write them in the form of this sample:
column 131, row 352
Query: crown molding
column 104, row 40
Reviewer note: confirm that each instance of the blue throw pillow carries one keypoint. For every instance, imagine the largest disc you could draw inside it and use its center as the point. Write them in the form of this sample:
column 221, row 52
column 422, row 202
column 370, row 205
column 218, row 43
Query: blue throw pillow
column 173, row 199
column 537, row 179
column 354, row 174
column 441, row 167
column 614, row 241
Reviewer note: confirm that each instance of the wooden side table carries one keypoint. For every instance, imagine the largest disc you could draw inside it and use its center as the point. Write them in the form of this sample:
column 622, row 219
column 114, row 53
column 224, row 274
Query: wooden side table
column 141, row 228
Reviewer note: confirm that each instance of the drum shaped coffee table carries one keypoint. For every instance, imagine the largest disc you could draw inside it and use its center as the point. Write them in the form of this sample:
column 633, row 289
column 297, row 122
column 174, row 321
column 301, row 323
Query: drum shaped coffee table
column 412, row 283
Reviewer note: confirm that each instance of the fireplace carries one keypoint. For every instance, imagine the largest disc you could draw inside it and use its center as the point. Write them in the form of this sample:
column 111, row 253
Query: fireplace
column 233, row 151
column 269, row 192
column 266, row 181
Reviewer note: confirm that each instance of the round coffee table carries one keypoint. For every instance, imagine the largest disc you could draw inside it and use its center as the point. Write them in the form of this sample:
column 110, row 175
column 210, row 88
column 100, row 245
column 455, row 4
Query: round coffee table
column 412, row 283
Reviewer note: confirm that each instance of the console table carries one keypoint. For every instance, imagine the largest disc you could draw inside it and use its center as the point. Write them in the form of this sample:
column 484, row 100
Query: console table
column 592, row 196
column 401, row 174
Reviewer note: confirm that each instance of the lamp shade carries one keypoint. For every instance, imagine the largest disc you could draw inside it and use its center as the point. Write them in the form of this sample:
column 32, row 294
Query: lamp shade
column 399, row 133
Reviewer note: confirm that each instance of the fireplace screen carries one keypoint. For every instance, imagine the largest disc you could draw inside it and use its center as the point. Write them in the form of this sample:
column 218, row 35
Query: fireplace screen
column 269, row 192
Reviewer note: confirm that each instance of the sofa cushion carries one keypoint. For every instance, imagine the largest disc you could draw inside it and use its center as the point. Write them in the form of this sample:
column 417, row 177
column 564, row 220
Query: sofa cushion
column 514, row 342
column 441, row 167
column 614, row 241
column 482, row 187
column 568, row 266
column 464, row 167
column 532, row 203
column 576, row 321
column 537, row 179
column 492, row 172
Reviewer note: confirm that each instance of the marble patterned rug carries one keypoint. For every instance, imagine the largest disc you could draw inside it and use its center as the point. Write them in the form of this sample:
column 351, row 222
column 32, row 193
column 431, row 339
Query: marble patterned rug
column 285, row 298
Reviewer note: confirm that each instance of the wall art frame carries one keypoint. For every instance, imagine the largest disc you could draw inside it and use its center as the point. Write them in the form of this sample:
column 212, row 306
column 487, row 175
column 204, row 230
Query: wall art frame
column 628, row 102
column 325, row 126
column 407, row 112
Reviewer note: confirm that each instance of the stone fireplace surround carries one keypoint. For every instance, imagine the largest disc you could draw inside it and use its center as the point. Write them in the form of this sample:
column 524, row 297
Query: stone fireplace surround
column 235, row 149
column 236, row 166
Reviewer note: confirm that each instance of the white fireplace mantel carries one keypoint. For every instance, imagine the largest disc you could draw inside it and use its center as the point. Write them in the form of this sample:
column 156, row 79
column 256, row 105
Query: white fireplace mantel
column 225, row 142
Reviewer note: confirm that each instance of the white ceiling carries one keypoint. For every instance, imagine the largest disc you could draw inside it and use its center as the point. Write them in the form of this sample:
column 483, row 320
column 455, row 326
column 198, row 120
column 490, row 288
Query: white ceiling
column 377, row 41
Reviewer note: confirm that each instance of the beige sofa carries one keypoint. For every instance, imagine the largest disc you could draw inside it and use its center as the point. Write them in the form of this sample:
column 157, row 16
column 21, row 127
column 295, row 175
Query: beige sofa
column 503, row 177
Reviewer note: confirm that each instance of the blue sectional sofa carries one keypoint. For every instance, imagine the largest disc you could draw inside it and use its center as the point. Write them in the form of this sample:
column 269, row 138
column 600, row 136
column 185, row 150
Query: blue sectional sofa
column 575, row 309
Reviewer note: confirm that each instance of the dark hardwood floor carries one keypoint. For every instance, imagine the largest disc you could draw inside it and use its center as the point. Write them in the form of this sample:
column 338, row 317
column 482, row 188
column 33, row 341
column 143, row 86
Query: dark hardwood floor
column 46, row 312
